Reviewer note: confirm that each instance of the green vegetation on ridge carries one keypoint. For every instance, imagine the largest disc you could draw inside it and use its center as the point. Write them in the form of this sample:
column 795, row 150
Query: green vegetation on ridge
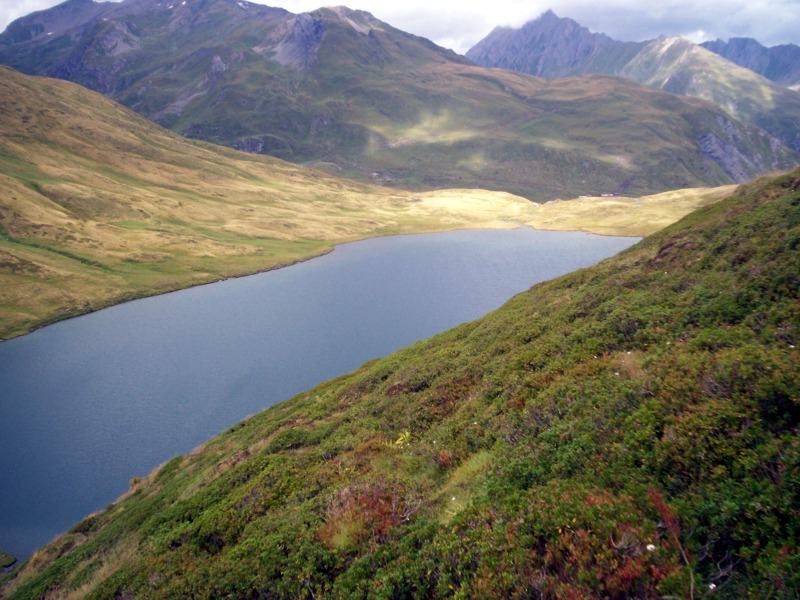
column 626, row 431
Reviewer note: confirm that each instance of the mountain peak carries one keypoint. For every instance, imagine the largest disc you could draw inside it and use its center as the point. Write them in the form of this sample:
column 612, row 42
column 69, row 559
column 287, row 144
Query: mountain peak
column 360, row 20
column 550, row 19
column 548, row 46
column 55, row 20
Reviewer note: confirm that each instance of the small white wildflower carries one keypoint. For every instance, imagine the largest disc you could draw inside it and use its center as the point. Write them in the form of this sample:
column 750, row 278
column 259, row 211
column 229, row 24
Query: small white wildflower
column 712, row 587
column 651, row 547
column 454, row 498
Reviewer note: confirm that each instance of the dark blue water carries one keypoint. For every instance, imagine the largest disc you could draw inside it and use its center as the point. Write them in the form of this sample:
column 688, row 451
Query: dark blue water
column 88, row 403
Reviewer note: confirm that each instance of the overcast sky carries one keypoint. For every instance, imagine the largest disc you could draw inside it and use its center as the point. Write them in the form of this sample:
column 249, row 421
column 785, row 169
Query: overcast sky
column 459, row 24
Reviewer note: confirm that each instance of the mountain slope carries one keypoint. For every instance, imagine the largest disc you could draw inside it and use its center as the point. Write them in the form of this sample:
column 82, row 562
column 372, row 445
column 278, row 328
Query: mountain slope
column 347, row 93
column 550, row 47
column 679, row 66
column 627, row 431
column 99, row 205
column 780, row 64
column 554, row 47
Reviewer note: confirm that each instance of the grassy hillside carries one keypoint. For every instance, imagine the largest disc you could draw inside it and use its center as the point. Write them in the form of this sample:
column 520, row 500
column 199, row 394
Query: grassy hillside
column 620, row 215
column 349, row 94
column 677, row 65
column 626, row 431
column 98, row 205
column 551, row 47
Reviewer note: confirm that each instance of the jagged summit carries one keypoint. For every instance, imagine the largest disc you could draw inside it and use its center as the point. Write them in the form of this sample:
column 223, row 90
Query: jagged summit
column 549, row 46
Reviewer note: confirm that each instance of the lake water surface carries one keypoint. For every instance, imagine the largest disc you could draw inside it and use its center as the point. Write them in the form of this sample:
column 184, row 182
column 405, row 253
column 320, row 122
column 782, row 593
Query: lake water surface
column 88, row 403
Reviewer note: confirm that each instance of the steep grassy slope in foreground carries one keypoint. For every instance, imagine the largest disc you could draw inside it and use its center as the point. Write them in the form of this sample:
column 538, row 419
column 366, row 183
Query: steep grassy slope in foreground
column 98, row 205
column 626, row 431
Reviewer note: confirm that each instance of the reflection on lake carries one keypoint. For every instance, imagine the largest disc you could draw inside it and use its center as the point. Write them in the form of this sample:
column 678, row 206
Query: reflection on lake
column 88, row 403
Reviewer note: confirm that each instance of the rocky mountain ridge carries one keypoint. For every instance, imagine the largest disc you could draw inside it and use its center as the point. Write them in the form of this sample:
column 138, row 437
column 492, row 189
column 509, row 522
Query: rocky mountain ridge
column 780, row 63
column 550, row 46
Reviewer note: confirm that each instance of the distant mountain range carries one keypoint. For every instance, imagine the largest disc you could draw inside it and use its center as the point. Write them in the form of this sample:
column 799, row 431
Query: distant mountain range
column 780, row 64
column 343, row 91
column 551, row 46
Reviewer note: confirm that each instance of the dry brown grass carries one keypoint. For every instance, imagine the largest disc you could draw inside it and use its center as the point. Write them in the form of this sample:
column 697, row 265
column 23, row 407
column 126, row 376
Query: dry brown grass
column 624, row 216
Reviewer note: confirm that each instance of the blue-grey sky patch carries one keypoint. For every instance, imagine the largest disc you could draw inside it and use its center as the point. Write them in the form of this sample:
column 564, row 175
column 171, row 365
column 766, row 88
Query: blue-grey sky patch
column 461, row 24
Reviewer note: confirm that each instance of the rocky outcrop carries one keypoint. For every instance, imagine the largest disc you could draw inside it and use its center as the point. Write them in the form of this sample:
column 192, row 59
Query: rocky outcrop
column 296, row 41
column 724, row 146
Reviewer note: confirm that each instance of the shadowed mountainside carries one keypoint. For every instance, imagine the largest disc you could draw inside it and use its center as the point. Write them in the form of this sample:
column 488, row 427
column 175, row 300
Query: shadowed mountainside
column 780, row 64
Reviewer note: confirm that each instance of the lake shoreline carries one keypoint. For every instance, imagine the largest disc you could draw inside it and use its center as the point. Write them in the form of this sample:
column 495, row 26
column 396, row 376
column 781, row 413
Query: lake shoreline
column 130, row 297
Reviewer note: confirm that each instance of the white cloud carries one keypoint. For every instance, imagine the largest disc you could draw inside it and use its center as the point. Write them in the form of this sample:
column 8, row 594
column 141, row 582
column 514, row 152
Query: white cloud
column 460, row 24
column 698, row 37
column 10, row 11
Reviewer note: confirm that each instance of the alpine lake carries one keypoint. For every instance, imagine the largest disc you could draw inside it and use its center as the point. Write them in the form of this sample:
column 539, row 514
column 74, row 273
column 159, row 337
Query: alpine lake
column 89, row 403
